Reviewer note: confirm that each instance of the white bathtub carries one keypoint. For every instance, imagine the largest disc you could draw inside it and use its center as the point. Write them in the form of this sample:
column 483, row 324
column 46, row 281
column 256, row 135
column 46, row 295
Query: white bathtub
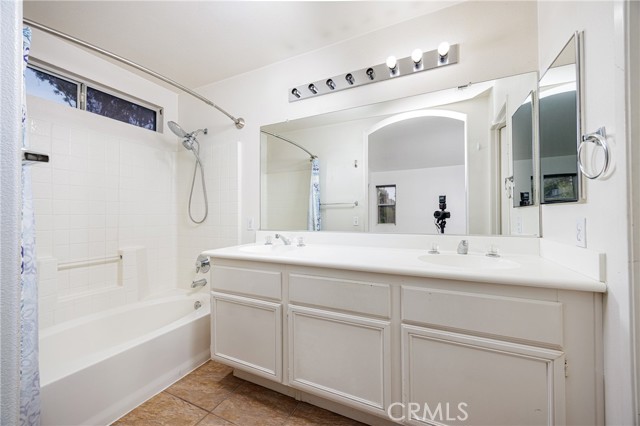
column 97, row 368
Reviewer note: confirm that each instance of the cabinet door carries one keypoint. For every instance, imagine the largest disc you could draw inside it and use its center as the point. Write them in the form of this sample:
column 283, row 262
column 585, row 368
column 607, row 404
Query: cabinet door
column 340, row 357
column 454, row 378
column 247, row 334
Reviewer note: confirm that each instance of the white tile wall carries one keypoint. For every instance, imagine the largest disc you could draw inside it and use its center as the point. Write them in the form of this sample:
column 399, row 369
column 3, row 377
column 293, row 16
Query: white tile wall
column 220, row 159
column 109, row 188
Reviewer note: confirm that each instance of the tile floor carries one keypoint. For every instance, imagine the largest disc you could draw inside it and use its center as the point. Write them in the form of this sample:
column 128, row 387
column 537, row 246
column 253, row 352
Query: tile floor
column 212, row 396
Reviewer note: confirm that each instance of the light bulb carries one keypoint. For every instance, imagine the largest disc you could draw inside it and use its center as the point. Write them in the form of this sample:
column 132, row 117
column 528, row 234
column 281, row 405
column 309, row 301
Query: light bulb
column 443, row 49
column 313, row 88
column 392, row 62
column 416, row 56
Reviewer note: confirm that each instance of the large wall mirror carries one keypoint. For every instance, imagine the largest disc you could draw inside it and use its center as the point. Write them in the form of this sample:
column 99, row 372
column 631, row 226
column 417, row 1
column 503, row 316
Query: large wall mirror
column 559, row 127
column 449, row 143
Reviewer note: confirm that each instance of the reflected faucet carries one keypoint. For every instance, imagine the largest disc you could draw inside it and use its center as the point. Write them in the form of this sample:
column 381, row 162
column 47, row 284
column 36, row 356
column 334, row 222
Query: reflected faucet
column 285, row 240
column 463, row 247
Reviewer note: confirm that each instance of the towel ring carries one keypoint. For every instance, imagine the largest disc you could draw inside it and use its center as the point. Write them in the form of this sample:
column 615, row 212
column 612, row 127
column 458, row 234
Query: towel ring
column 598, row 138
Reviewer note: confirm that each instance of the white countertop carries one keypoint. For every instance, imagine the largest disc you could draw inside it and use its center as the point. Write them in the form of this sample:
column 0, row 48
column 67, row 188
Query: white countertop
column 530, row 270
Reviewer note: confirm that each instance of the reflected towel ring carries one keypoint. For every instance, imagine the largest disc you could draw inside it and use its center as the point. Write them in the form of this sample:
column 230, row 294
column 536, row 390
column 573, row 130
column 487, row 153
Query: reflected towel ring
column 598, row 138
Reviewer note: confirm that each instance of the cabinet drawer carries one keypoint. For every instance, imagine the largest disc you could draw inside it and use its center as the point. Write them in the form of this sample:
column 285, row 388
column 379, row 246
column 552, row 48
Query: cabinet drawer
column 510, row 317
column 348, row 295
column 253, row 282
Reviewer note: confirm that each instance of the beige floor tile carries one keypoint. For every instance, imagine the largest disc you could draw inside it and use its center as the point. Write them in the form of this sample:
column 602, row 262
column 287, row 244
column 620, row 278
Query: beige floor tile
column 310, row 415
column 163, row 410
column 253, row 405
column 206, row 387
column 212, row 420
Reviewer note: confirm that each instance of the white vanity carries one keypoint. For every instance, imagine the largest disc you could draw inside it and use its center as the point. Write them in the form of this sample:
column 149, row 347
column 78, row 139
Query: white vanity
column 399, row 334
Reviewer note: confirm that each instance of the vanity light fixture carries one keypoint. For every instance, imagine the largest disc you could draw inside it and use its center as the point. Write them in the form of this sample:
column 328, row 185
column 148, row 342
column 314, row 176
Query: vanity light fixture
column 419, row 60
column 331, row 84
column 443, row 52
column 416, row 57
column 392, row 64
column 349, row 78
column 371, row 74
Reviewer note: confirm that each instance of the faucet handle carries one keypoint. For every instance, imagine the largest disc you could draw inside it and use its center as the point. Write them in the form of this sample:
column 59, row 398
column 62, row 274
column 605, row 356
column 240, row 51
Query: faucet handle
column 493, row 251
column 301, row 242
column 463, row 247
column 268, row 241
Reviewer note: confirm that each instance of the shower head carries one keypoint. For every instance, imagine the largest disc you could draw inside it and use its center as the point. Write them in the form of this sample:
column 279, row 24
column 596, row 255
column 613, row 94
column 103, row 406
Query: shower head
column 177, row 130
column 188, row 139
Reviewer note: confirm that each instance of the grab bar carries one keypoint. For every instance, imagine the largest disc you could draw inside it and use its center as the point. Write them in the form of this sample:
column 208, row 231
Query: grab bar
column 88, row 262
column 354, row 204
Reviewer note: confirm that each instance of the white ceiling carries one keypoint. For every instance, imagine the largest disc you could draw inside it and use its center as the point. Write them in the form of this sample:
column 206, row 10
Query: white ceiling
column 201, row 42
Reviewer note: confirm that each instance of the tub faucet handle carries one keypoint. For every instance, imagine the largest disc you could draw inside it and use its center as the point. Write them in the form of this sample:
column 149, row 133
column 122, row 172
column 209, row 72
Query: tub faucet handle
column 203, row 264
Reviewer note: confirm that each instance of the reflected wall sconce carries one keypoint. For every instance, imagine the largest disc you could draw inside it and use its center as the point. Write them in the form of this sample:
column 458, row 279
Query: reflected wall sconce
column 445, row 54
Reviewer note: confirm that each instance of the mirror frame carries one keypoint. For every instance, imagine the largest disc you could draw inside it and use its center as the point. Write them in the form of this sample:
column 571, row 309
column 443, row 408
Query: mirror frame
column 578, row 38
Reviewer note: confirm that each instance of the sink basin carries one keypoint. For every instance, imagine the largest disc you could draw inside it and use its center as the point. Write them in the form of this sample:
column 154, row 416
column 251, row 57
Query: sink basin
column 267, row 249
column 468, row 261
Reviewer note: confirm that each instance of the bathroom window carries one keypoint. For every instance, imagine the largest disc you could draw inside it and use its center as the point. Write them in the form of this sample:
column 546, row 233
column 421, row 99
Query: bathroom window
column 52, row 87
column 67, row 89
column 111, row 106
column 386, row 196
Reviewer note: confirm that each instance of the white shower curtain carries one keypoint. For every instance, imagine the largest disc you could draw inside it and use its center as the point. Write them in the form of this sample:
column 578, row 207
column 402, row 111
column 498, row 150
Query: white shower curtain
column 314, row 220
column 29, row 372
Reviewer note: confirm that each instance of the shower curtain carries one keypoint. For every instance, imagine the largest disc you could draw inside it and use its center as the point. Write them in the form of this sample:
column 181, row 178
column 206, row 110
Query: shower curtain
column 314, row 220
column 29, row 373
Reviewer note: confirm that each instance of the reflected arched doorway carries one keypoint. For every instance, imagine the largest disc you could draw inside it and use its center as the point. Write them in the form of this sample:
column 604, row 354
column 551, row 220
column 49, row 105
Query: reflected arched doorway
column 412, row 159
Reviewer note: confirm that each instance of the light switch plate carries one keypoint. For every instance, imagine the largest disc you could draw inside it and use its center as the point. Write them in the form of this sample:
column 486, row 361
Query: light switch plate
column 581, row 232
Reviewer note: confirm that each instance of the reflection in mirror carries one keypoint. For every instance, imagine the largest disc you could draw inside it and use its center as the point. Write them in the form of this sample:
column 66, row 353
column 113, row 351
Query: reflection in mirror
column 445, row 143
column 522, row 143
column 559, row 124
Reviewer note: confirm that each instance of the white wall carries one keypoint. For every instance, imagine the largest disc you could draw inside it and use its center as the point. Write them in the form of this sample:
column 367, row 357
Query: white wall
column 417, row 192
column 108, row 190
column 260, row 96
column 607, row 203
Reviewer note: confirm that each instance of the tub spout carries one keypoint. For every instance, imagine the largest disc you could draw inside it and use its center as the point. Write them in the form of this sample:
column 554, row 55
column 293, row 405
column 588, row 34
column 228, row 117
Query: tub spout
column 199, row 283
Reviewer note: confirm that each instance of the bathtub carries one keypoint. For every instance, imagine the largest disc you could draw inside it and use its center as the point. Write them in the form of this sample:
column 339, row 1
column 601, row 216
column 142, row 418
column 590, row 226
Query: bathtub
column 95, row 369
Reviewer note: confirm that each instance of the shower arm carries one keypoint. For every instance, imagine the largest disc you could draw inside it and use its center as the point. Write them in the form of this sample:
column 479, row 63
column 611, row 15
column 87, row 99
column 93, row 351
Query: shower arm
column 313, row 157
column 239, row 122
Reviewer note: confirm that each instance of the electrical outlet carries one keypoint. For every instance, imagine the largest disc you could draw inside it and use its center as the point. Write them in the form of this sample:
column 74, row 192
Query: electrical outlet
column 581, row 232
column 356, row 221
column 519, row 225
column 250, row 224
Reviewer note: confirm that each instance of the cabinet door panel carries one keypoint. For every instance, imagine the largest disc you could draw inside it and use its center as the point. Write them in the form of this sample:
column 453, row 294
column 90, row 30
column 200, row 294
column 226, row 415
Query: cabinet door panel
column 247, row 333
column 341, row 357
column 497, row 383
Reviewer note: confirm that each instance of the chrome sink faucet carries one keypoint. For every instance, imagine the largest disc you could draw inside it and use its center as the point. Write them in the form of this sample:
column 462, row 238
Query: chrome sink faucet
column 463, row 247
column 285, row 240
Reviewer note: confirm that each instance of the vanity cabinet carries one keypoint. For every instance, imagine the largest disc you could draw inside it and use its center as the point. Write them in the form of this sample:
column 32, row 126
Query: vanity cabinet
column 339, row 343
column 425, row 350
column 498, row 366
column 246, row 319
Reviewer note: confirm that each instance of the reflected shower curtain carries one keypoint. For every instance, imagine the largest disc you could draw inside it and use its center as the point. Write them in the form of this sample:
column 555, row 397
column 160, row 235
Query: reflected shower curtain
column 29, row 373
column 314, row 220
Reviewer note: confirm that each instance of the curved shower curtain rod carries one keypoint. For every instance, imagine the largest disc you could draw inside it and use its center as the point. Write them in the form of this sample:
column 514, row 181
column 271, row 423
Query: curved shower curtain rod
column 239, row 122
column 313, row 157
